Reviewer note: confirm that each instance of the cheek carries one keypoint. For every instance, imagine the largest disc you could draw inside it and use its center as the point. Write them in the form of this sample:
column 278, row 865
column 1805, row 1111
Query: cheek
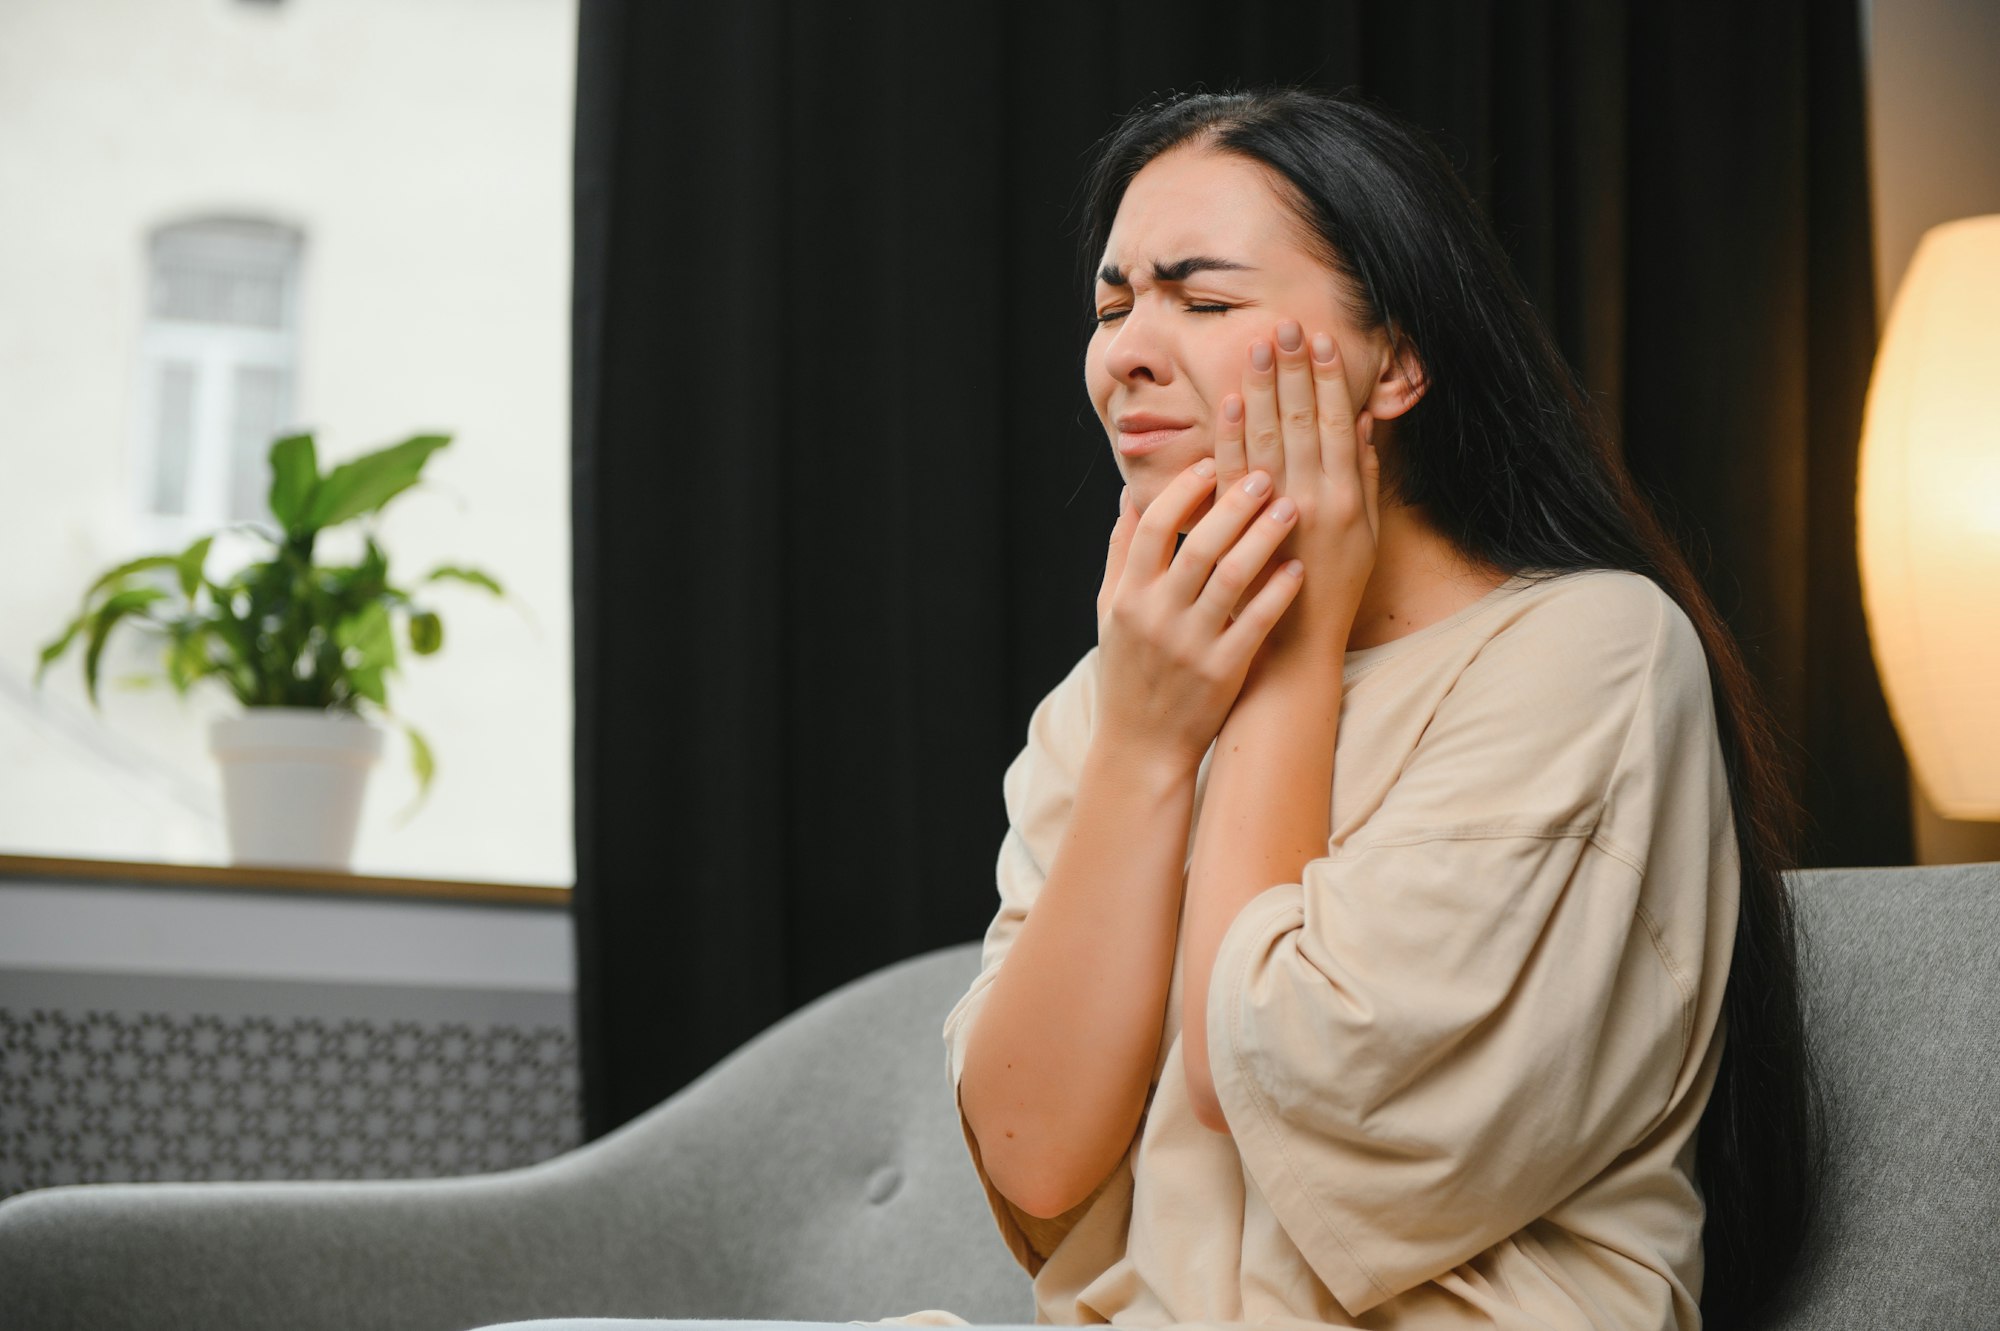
column 1096, row 379
column 1215, row 366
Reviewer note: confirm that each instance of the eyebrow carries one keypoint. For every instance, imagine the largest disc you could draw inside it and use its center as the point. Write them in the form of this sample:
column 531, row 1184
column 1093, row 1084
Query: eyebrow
column 1180, row 270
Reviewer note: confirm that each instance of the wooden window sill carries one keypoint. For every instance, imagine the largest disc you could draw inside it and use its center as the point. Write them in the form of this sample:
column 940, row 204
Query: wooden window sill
column 249, row 878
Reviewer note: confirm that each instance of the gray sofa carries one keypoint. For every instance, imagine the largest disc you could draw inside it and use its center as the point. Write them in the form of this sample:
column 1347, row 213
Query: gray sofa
column 818, row 1174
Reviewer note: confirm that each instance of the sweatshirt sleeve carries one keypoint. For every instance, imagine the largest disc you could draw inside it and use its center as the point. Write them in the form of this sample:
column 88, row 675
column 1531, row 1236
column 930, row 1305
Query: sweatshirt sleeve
column 1462, row 1015
column 1040, row 790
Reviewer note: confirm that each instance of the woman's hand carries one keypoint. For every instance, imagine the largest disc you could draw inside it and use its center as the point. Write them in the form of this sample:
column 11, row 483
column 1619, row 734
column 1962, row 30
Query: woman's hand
column 1172, row 660
column 1296, row 421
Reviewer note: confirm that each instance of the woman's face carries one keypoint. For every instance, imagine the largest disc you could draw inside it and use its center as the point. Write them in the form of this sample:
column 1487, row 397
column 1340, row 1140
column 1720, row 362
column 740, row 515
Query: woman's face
column 1173, row 349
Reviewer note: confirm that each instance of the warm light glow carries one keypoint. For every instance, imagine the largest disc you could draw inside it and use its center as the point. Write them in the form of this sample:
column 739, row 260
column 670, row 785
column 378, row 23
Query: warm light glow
column 1929, row 516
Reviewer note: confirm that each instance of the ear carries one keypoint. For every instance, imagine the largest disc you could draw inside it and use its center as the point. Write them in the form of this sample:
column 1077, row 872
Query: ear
column 1399, row 384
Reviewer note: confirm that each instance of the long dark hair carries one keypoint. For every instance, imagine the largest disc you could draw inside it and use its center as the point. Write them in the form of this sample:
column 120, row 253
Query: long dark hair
column 1508, row 458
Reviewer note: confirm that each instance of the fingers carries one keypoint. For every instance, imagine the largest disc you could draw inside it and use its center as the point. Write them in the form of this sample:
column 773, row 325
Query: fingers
column 1297, row 406
column 1230, row 467
column 1263, row 441
column 1242, row 638
column 1333, row 433
column 1114, row 559
column 1227, row 549
column 1151, row 547
column 1298, row 412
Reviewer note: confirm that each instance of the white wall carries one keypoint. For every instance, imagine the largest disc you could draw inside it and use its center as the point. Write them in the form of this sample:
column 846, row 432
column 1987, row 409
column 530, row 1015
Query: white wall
column 1934, row 122
column 424, row 147
column 1934, row 155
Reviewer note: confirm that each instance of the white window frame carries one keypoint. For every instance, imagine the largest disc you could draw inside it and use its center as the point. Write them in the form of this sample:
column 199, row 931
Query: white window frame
column 216, row 351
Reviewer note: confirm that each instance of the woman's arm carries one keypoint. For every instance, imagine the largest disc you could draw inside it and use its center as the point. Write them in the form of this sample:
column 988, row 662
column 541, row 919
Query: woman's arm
column 1061, row 1054
column 1269, row 803
column 1265, row 815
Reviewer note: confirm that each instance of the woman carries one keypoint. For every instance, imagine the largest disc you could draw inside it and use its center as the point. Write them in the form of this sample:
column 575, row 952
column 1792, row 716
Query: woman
column 1473, row 999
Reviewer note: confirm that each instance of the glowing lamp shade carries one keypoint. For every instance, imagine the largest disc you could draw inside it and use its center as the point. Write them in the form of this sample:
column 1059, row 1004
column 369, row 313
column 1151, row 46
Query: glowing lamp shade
column 1929, row 516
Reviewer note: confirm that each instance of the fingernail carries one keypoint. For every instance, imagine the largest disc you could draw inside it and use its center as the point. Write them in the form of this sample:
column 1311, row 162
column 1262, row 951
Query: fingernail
column 1124, row 497
column 1232, row 408
column 1322, row 348
column 1289, row 335
column 1260, row 355
column 1205, row 467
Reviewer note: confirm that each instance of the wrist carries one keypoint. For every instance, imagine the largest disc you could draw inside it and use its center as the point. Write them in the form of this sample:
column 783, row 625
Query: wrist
column 1139, row 761
column 1308, row 666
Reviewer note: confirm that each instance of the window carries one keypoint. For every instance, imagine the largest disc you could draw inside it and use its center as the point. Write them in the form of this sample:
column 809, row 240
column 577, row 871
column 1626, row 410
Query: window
column 217, row 364
column 230, row 222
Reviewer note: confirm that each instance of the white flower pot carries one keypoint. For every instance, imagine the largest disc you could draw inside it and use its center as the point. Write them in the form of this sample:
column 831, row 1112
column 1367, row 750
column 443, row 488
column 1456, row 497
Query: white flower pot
column 292, row 782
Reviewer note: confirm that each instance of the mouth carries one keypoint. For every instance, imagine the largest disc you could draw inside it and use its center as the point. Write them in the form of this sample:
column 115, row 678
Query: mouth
column 1137, row 443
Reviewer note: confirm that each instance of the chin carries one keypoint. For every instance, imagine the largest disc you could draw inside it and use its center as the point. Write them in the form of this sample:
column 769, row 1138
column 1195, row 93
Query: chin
column 1149, row 477
column 1201, row 510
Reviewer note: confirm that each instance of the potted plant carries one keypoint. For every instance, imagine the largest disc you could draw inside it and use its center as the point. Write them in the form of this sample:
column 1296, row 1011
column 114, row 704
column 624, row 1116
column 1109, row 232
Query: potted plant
column 306, row 648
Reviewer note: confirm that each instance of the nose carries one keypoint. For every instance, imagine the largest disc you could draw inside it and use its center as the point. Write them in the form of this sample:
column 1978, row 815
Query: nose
column 1140, row 345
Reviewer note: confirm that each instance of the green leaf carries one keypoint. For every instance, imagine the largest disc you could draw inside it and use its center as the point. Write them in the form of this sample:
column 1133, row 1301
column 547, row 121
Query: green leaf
column 422, row 760
column 59, row 646
column 135, row 683
column 190, row 565
column 471, row 575
column 228, row 626
column 187, row 658
column 294, row 473
column 367, row 632
column 108, row 614
column 367, row 681
column 426, row 632
column 125, row 570
column 371, row 575
column 423, row 763
column 369, row 481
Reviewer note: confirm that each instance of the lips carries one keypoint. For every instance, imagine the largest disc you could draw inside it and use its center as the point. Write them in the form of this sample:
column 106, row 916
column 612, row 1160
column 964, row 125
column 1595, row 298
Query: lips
column 1139, row 422
column 1133, row 445
column 1140, row 432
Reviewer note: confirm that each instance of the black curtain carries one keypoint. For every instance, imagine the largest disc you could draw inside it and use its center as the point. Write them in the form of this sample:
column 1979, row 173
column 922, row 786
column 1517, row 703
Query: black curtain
column 840, row 504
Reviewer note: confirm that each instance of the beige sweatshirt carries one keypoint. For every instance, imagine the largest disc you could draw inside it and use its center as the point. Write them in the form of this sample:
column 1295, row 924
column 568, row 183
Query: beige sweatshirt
column 1464, row 1059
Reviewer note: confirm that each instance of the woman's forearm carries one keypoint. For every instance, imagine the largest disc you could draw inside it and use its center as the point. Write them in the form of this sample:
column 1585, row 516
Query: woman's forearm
column 1061, row 1056
column 1265, row 815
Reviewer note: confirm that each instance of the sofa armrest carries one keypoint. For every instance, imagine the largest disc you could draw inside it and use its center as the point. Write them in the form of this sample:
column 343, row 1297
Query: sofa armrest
column 389, row 1255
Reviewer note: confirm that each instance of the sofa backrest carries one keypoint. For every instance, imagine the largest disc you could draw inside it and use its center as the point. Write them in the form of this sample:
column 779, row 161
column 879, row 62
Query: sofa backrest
column 819, row 1169
column 825, row 1167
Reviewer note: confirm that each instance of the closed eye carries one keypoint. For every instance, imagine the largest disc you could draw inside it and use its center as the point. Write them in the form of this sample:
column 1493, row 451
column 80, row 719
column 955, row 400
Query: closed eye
column 1108, row 315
